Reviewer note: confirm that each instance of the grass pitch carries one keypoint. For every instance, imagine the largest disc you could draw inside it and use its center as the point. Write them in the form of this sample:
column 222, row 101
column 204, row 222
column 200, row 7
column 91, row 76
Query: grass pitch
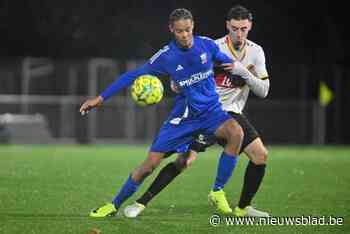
column 51, row 189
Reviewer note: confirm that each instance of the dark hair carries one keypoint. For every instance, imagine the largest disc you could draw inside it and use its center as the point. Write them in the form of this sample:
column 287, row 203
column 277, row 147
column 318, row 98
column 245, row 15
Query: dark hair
column 180, row 13
column 239, row 12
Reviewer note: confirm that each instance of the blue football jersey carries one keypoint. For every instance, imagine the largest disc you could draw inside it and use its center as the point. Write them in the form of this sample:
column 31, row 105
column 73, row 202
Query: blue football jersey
column 191, row 69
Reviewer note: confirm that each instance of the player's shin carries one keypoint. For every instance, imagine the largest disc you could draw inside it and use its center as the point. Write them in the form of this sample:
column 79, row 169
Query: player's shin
column 225, row 169
column 137, row 177
column 127, row 190
column 217, row 196
column 165, row 176
column 252, row 180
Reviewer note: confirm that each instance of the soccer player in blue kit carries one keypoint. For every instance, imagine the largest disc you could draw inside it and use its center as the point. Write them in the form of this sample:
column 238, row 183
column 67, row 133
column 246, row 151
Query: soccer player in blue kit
column 188, row 60
column 233, row 92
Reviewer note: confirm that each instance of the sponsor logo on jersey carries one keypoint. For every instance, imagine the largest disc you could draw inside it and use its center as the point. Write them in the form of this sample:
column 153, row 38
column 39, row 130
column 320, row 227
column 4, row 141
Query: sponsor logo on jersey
column 222, row 80
column 195, row 78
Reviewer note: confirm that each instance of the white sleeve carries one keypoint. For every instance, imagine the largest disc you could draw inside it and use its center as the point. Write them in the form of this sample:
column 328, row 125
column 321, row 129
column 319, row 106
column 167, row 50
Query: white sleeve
column 260, row 65
column 259, row 87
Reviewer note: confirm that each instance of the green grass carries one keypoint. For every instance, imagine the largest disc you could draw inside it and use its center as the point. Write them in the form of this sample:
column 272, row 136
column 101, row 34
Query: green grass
column 51, row 189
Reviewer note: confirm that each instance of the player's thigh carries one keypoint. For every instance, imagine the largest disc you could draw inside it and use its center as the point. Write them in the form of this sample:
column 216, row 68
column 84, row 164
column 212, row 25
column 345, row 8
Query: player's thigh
column 219, row 123
column 250, row 133
column 148, row 165
column 229, row 130
column 256, row 151
column 153, row 158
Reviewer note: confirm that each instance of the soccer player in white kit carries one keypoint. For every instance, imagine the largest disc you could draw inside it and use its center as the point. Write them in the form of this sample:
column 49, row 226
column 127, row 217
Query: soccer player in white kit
column 233, row 92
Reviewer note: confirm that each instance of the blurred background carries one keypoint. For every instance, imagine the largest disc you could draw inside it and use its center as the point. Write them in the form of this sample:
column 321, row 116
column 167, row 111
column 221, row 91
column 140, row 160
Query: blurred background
column 54, row 54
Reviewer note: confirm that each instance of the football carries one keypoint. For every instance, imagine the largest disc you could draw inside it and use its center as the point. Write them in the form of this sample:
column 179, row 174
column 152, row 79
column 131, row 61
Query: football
column 147, row 90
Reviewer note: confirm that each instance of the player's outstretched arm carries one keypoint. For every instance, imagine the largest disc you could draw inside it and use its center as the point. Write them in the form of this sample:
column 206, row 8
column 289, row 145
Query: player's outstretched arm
column 125, row 80
column 90, row 104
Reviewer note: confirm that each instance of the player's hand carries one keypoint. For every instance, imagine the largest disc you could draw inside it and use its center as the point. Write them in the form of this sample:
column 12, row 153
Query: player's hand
column 252, row 70
column 236, row 68
column 228, row 67
column 90, row 104
column 174, row 87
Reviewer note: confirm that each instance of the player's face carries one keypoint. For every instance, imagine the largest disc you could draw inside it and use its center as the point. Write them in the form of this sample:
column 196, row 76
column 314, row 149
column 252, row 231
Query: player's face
column 238, row 30
column 183, row 32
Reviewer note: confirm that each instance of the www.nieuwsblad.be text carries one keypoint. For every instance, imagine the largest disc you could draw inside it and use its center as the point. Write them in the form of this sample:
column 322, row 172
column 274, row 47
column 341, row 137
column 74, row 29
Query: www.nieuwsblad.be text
column 217, row 220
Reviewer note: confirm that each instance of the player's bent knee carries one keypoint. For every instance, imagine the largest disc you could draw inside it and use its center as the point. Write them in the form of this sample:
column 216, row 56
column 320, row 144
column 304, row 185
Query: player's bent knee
column 261, row 157
column 264, row 156
column 236, row 129
column 147, row 167
column 238, row 132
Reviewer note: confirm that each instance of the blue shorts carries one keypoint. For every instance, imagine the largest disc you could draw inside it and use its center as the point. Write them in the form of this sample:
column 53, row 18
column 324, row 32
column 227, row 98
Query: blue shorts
column 177, row 134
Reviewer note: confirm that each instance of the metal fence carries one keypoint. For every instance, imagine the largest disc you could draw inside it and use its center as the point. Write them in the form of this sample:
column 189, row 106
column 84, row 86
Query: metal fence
column 121, row 120
column 56, row 88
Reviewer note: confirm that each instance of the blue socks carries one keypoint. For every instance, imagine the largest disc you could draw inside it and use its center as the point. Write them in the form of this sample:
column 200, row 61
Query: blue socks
column 225, row 168
column 128, row 189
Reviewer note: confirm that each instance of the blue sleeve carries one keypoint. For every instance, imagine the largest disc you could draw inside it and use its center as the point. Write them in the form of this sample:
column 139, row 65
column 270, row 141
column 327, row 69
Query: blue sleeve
column 125, row 80
column 153, row 67
column 222, row 58
column 218, row 56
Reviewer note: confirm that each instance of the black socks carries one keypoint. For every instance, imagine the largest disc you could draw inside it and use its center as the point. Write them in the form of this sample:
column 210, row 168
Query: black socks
column 165, row 176
column 252, row 180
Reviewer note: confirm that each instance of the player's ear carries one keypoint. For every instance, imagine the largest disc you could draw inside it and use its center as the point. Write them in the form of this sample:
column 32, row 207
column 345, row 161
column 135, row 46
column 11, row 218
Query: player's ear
column 250, row 25
column 228, row 25
column 171, row 28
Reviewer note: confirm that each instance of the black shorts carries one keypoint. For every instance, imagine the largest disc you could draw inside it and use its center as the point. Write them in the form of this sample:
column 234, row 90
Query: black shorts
column 250, row 134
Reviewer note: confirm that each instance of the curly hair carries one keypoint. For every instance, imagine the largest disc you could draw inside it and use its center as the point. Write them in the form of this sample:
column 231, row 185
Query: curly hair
column 180, row 13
